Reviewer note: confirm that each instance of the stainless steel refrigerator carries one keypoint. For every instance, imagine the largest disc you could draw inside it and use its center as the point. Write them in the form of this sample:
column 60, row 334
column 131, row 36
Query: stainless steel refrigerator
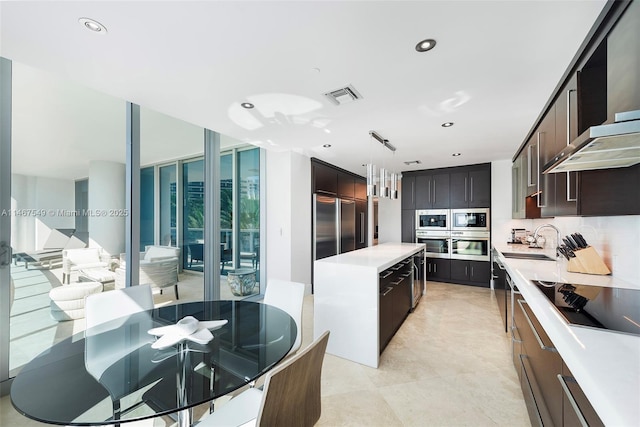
column 334, row 226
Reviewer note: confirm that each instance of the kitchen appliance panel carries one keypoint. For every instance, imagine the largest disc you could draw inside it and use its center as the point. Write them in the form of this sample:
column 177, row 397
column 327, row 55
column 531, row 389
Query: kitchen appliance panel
column 347, row 232
column 472, row 219
column 437, row 243
column 432, row 219
column 613, row 309
column 470, row 245
column 325, row 230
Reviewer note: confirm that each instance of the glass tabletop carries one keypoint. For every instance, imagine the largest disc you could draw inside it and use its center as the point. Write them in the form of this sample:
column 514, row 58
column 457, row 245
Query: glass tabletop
column 112, row 372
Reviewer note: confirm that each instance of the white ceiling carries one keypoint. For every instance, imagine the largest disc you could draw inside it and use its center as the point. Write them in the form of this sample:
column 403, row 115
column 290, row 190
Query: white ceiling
column 493, row 69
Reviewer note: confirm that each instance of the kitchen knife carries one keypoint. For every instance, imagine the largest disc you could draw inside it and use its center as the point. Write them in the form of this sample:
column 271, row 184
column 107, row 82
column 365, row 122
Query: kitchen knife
column 574, row 246
column 568, row 242
column 582, row 240
column 564, row 251
column 578, row 241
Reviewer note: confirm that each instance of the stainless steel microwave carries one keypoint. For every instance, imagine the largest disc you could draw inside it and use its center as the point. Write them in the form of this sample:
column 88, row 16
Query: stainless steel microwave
column 432, row 219
column 471, row 219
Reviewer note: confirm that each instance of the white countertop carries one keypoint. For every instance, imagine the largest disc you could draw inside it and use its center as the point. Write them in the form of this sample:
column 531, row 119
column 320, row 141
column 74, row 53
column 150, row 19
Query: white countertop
column 605, row 364
column 380, row 257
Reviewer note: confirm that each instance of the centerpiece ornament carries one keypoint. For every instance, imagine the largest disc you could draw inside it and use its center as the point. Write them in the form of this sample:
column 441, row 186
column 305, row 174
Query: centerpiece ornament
column 188, row 328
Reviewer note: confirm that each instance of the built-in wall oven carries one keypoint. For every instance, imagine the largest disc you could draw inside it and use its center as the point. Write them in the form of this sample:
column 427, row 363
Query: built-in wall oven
column 470, row 219
column 436, row 243
column 470, row 245
column 432, row 219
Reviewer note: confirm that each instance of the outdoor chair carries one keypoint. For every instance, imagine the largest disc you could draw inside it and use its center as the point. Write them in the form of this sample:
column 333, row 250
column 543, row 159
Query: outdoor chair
column 158, row 268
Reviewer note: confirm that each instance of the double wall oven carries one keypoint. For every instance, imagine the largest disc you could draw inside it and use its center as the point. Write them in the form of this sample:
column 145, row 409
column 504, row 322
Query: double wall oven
column 455, row 233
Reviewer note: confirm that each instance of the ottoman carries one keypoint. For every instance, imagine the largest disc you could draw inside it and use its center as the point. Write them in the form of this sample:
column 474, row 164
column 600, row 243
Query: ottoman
column 67, row 301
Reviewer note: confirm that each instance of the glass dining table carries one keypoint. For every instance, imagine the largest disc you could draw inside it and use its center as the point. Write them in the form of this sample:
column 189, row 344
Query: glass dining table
column 112, row 373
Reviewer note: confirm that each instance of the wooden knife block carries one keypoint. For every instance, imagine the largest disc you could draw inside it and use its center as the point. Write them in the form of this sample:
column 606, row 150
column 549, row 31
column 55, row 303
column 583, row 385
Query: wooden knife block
column 587, row 261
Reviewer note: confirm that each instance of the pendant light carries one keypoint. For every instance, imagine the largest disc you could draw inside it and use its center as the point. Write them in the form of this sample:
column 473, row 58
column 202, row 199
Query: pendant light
column 385, row 183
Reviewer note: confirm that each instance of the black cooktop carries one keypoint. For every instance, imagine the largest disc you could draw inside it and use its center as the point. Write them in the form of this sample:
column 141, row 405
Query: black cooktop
column 614, row 309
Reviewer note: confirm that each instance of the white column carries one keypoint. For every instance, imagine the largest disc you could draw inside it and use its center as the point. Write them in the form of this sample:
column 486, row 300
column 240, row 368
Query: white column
column 107, row 196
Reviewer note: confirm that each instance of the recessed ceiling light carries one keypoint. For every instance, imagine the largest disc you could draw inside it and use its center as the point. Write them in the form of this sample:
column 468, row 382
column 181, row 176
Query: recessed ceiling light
column 247, row 105
column 93, row 25
column 447, row 124
column 426, row 45
column 456, row 154
column 327, row 145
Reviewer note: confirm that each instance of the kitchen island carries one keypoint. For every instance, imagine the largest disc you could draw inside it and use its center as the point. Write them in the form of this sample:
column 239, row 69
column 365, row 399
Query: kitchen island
column 346, row 299
column 605, row 364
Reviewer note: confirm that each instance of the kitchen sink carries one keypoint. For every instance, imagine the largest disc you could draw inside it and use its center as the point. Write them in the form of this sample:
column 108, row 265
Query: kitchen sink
column 526, row 255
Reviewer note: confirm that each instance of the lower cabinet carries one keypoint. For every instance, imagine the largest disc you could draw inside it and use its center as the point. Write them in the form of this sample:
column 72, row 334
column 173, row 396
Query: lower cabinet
column 552, row 395
column 476, row 273
column 438, row 269
column 394, row 304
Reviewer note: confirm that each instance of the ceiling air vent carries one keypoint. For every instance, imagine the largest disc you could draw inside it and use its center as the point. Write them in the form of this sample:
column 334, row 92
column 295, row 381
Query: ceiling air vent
column 343, row 95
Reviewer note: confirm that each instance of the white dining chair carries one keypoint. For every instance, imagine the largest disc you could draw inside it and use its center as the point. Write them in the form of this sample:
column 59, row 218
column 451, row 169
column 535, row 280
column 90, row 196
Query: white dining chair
column 289, row 297
column 107, row 343
column 290, row 397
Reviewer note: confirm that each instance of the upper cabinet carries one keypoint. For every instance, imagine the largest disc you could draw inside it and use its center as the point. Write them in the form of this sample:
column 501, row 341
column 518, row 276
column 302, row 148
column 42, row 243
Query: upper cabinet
column 333, row 181
column 408, row 189
column 432, row 190
column 602, row 80
column 471, row 188
column 623, row 63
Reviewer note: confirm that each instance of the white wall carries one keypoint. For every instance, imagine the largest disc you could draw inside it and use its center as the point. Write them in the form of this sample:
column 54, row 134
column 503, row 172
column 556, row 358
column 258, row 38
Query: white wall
column 615, row 238
column 390, row 220
column 107, row 181
column 288, row 205
column 46, row 199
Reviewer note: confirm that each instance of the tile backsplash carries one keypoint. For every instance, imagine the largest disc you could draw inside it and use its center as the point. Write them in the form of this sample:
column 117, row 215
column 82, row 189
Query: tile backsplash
column 615, row 238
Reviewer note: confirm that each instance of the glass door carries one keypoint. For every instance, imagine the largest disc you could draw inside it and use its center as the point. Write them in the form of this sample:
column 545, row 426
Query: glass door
column 193, row 212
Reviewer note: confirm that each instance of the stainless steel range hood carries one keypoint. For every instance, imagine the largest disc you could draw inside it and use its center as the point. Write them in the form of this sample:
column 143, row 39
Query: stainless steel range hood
column 607, row 146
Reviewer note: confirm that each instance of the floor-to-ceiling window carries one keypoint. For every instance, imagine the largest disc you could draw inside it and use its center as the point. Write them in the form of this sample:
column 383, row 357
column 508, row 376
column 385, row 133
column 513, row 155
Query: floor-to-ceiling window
column 147, row 225
column 167, row 208
column 193, row 212
column 226, row 212
column 248, row 180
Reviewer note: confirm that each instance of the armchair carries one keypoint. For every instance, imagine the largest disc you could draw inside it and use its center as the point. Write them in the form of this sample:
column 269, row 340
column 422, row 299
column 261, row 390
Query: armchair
column 158, row 268
column 84, row 258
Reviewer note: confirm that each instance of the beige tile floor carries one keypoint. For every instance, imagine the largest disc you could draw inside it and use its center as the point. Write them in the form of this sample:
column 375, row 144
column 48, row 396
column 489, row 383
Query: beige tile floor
column 448, row 365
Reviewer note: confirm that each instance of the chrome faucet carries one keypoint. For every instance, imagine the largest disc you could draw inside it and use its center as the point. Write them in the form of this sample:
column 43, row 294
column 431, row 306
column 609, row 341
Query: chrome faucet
column 558, row 239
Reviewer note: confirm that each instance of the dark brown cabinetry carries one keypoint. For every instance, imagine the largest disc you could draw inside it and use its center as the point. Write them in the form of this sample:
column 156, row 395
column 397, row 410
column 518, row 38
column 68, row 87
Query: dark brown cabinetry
column 476, row 273
column 602, row 80
column 324, row 179
column 432, row 191
column 566, row 118
column 361, row 224
column 408, row 226
column 540, row 365
column 623, row 63
column 408, row 187
column 577, row 409
column 438, row 269
column 470, row 189
column 346, row 186
column 395, row 286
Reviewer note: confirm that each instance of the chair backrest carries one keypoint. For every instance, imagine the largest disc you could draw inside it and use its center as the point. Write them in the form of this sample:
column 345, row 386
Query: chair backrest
column 289, row 297
column 82, row 255
column 106, row 346
column 291, row 395
column 158, row 253
column 106, row 306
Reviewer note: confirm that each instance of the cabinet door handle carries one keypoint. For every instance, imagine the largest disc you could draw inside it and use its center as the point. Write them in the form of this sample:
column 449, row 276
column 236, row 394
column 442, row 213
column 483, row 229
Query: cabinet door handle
column 386, row 291
column 434, row 191
column 435, row 268
column 361, row 227
column 569, row 198
column 465, row 188
column 529, row 167
column 387, row 274
column 572, row 400
column 471, row 189
column 471, row 271
column 466, row 270
column 533, row 329
column 429, row 265
column 539, row 196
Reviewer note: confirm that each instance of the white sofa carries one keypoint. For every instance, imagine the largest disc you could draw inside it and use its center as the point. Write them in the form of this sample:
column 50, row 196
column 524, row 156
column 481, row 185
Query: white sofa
column 84, row 258
column 158, row 268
